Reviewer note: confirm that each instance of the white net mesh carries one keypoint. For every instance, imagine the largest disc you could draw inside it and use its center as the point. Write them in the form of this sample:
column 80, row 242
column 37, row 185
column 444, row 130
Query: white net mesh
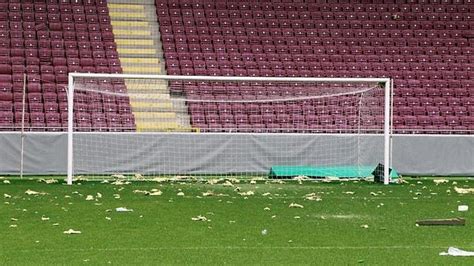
column 158, row 127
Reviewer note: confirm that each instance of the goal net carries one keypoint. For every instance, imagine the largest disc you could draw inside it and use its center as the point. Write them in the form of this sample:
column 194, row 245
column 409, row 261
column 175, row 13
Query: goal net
column 147, row 127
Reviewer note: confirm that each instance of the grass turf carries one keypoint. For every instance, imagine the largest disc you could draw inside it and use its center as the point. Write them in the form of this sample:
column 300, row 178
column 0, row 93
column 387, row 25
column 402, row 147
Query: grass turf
column 160, row 229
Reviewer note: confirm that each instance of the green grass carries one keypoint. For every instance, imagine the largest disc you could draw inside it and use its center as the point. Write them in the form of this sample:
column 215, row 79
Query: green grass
column 160, row 229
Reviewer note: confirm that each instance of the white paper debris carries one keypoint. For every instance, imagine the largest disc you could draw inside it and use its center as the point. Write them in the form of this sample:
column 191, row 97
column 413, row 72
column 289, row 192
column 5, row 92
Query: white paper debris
column 155, row 192
column 89, row 197
column 248, row 193
column 71, row 232
column 296, row 205
column 463, row 208
column 312, row 197
column 349, row 192
column 6, row 181
column 7, row 196
column 266, row 209
column 118, row 176
column 364, row 226
column 208, row 194
column 452, row 251
column 227, row 184
column 123, row 209
column 264, row 231
column 464, row 190
column 139, row 176
column 440, row 181
column 31, row 192
column 200, row 218
column 181, row 193
column 44, row 218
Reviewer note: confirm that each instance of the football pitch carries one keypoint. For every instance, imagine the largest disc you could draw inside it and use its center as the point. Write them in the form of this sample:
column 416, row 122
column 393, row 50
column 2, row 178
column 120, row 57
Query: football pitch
column 237, row 222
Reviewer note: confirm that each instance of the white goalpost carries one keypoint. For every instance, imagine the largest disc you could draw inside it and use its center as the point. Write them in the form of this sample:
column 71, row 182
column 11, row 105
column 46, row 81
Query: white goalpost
column 149, row 126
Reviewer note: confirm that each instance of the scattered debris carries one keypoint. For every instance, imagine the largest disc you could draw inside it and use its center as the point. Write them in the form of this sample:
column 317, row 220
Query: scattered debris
column 253, row 182
column 13, row 226
column 200, row 218
column 155, row 192
column 266, row 209
column 264, row 231
column 120, row 183
column 89, row 197
column 123, row 209
column 99, row 195
column 313, row 197
column 6, row 181
column 44, row 218
column 300, row 178
column 208, row 193
column 118, row 176
column 463, row 190
column 349, row 192
column 449, row 221
column 373, row 194
column 72, row 232
column 452, row 251
column 181, row 193
column 266, row 194
column 213, row 181
column 116, row 196
column 108, row 218
column 463, row 208
column 31, row 192
column 139, row 176
column 248, row 193
column 7, row 196
column 296, row 205
column 440, row 181
column 13, row 219
column 364, row 226
column 297, row 217
column 227, row 183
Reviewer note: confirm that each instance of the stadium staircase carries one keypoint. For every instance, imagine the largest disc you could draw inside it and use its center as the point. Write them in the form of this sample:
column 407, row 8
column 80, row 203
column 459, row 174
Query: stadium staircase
column 139, row 47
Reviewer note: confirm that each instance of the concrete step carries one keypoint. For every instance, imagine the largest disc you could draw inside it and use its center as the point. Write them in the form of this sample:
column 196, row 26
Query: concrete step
column 141, row 70
column 141, row 2
column 142, row 61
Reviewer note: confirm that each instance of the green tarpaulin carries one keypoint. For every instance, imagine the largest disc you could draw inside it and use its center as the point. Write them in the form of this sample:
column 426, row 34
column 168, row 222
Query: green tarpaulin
column 335, row 171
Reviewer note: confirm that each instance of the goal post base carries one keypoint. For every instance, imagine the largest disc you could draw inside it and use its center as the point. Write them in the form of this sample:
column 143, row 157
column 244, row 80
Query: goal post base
column 356, row 172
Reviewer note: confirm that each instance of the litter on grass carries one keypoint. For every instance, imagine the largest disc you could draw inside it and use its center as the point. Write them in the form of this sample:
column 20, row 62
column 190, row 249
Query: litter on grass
column 31, row 192
column 440, row 181
column 312, row 197
column 123, row 209
column 89, row 197
column 7, row 196
column 248, row 193
column 452, row 251
column 295, row 205
column 72, row 232
column 463, row 208
column 44, row 218
column 200, row 218
column 464, row 190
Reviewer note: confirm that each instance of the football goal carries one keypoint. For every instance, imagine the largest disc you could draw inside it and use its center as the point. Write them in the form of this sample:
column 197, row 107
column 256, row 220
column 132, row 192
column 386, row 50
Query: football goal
column 155, row 126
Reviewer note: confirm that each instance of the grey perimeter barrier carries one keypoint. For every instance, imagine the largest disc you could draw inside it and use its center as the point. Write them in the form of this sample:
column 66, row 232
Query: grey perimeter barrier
column 420, row 155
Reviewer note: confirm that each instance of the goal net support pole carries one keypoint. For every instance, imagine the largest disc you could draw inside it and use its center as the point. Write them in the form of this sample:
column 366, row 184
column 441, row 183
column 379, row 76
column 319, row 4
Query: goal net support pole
column 386, row 102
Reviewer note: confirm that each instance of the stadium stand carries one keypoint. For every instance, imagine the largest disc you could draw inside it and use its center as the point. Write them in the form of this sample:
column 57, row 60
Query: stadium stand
column 426, row 46
column 45, row 40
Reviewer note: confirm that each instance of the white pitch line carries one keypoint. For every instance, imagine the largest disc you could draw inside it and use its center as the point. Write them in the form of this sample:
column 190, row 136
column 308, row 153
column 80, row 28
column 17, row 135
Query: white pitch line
column 238, row 248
